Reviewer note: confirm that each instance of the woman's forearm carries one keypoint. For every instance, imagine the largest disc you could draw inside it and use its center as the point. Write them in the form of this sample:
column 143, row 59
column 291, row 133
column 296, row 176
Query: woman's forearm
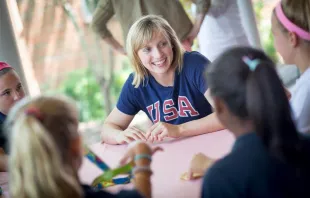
column 207, row 124
column 110, row 132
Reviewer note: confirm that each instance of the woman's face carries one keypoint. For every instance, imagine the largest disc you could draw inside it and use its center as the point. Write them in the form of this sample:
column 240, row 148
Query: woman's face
column 11, row 91
column 157, row 55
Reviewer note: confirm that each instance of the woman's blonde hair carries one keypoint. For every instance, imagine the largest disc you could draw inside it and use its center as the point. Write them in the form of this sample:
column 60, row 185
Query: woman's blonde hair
column 298, row 12
column 140, row 33
column 40, row 164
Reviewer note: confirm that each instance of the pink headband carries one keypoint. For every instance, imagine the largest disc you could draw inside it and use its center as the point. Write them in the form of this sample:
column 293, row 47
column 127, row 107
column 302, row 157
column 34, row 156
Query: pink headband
column 289, row 25
column 4, row 65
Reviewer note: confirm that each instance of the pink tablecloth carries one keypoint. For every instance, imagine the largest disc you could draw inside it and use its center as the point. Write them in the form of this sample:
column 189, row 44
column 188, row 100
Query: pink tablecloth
column 4, row 183
column 168, row 165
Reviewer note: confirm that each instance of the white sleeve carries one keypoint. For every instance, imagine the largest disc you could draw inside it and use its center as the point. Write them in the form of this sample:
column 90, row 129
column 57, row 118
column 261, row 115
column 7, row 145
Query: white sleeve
column 300, row 104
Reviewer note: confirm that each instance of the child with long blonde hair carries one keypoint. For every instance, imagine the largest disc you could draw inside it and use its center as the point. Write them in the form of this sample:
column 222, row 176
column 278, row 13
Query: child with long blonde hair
column 46, row 153
column 291, row 29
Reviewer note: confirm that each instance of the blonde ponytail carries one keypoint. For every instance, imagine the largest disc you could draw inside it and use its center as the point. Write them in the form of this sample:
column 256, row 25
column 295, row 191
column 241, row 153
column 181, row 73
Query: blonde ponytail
column 38, row 164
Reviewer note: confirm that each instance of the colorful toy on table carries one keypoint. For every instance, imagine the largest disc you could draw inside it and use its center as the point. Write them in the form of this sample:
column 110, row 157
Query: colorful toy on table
column 108, row 177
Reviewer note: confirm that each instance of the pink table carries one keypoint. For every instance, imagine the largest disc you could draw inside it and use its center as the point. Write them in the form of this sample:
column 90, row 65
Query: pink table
column 168, row 165
column 4, row 178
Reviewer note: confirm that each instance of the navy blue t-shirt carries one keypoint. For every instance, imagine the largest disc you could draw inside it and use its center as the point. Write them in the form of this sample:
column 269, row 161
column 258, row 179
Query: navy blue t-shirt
column 183, row 102
column 250, row 171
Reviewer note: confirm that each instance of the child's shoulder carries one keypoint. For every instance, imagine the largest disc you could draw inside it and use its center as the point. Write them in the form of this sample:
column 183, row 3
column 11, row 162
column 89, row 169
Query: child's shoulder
column 90, row 193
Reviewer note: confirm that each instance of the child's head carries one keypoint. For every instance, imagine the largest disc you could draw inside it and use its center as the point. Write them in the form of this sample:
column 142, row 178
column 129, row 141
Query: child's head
column 11, row 89
column 153, row 47
column 291, row 28
column 247, row 90
column 232, row 82
column 45, row 148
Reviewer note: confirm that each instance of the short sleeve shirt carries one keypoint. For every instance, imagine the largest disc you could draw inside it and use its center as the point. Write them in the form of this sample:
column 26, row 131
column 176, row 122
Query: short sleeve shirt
column 300, row 102
column 183, row 102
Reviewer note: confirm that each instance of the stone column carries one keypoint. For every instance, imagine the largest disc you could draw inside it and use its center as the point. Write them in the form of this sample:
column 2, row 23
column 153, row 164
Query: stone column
column 13, row 48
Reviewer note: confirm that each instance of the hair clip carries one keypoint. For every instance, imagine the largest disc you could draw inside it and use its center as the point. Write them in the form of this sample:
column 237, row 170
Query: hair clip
column 35, row 112
column 252, row 64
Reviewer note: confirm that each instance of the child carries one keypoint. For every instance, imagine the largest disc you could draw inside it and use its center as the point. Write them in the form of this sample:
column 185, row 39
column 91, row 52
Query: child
column 168, row 84
column 291, row 29
column 269, row 157
column 11, row 91
column 46, row 153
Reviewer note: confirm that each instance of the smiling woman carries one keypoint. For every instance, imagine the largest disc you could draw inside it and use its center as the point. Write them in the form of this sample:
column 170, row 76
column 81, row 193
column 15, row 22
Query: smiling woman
column 168, row 84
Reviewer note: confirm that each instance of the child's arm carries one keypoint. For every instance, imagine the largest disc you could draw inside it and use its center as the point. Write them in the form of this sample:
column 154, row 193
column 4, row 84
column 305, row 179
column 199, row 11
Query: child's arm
column 142, row 180
column 141, row 154
column 3, row 161
column 116, row 131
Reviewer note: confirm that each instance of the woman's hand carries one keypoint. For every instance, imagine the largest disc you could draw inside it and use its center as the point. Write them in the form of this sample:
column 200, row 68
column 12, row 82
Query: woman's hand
column 129, row 135
column 160, row 130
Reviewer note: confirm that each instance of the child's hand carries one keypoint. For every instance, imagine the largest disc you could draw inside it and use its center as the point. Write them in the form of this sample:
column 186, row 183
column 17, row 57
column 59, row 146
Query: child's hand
column 199, row 164
column 129, row 135
column 160, row 130
column 137, row 149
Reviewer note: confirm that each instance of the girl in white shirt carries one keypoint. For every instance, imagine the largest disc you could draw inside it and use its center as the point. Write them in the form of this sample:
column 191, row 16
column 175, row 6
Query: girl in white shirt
column 291, row 29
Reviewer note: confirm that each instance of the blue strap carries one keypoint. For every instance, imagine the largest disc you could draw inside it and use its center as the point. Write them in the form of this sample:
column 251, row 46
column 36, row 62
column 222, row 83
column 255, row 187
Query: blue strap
column 122, row 180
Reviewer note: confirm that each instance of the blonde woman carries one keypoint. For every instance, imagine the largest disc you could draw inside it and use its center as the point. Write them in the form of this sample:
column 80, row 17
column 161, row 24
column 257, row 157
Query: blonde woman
column 46, row 153
column 168, row 84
